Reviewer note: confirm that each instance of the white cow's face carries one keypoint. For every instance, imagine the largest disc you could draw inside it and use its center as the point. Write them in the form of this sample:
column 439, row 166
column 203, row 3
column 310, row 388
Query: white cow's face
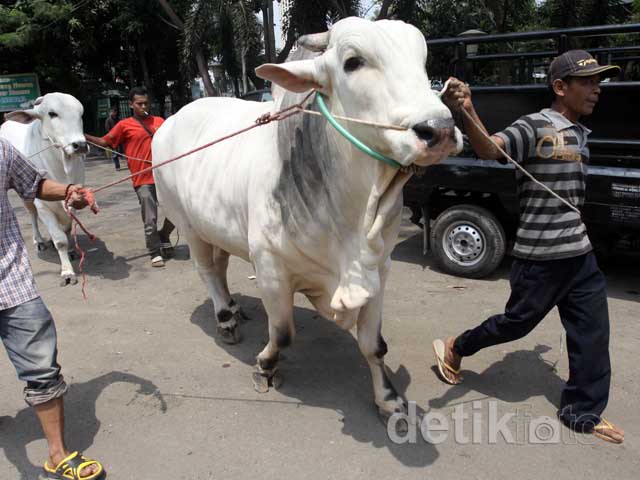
column 376, row 71
column 61, row 118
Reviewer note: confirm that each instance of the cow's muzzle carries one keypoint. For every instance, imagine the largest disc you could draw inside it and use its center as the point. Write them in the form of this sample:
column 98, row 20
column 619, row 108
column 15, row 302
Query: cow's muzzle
column 432, row 132
column 80, row 147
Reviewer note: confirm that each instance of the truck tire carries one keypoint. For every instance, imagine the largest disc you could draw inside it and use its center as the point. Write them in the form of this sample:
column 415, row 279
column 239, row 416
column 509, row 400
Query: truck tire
column 468, row 241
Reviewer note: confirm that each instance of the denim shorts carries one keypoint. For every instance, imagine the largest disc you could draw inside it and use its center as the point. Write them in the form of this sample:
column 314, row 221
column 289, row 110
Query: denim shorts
column 29, row 336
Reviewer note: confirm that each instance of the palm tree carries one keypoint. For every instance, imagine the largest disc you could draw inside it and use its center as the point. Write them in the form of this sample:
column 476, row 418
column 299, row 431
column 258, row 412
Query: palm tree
column 312, row 16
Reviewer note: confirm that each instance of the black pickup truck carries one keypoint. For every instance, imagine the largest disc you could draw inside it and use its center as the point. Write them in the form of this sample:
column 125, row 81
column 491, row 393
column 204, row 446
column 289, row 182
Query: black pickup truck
column 468, row 206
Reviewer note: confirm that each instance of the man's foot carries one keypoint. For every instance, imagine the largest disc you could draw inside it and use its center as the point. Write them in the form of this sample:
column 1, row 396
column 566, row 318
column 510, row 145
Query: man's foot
column 608, row 432
column 157, row 261
column 56, row 464
column 448, row 360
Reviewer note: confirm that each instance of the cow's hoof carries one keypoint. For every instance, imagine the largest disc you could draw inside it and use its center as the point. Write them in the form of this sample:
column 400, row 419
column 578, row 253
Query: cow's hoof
column 41, row 246
column 230, row 336
column 264, row 380
column 68, row 279
column 401, row 425
column 239, row 315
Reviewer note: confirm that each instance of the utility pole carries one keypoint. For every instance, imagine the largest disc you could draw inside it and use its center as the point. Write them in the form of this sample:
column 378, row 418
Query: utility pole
column 269, row 33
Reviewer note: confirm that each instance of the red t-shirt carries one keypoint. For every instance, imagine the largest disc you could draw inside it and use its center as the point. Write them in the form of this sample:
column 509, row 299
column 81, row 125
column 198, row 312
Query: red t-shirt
column 136, row 142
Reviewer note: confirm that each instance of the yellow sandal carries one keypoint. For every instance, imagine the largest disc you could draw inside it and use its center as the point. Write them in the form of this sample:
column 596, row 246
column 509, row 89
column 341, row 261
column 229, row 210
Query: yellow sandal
column 604, row 424
column 438, row 349
column 70, row 467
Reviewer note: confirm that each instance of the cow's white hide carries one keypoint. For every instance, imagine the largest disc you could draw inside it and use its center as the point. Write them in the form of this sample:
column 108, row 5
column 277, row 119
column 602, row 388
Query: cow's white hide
column 311, row 212
column 50, row 135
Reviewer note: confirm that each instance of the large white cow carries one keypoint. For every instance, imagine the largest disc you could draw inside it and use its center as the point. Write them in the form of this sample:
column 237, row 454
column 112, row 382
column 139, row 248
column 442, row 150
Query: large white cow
column 311, row 212
column 51, row 135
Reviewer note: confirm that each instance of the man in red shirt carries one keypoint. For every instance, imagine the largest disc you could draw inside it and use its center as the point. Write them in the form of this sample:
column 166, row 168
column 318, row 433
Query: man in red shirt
column 135, row 134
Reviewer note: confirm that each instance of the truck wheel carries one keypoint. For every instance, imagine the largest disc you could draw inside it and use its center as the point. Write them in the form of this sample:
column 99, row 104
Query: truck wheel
column 468, row 241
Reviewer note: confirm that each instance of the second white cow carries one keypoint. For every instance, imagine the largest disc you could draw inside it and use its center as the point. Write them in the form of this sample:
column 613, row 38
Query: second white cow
column 312, row 213
column 51, row 136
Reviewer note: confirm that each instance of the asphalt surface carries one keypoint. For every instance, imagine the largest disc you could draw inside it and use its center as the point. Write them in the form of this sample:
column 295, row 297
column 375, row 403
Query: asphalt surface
column 155, row 395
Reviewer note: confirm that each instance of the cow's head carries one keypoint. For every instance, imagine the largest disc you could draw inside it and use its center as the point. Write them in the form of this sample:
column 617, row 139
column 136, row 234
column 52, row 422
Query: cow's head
column 61, row 119
column 376, row 71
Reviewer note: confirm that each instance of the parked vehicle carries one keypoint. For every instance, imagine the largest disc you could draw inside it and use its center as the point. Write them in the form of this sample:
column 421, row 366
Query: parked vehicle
column 263, row 95
column 469, row 206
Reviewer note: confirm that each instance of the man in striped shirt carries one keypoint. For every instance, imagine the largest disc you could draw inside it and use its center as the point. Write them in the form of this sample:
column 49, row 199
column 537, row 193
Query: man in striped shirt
column 554, row 263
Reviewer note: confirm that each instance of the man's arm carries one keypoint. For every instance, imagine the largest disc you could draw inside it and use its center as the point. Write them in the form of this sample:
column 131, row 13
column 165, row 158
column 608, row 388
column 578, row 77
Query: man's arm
column 457, row 98
column 51, row 190
column 97, row 140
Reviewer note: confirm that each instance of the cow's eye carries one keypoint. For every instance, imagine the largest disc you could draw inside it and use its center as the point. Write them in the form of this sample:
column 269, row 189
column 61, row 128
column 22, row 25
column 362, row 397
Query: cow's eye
column 53, row 114
column 352, row 64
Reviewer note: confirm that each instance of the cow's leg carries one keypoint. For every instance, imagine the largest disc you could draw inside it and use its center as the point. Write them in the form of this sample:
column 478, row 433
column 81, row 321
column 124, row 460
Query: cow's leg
column 38, row 239
column 61, row 242
column 221, row 263
column 374, row 348
column 211, row 264
column 277, row 298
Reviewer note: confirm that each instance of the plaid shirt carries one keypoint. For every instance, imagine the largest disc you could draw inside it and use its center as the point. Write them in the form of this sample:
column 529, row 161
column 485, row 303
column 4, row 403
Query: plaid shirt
column 17, row 285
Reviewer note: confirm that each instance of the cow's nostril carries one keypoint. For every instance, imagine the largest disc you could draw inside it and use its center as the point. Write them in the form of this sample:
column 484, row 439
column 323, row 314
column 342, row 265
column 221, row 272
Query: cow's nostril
column 74, row 145
column 79, row 145
column 426, row 133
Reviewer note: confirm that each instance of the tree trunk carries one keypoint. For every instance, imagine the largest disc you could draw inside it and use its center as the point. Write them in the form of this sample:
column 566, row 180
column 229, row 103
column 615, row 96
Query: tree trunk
column 201, row 62
column 244, row 70
column 284, row 53
column 267, row 23
column 171, row 13
column 384, row 10
column 203, row 69
column 144, row 66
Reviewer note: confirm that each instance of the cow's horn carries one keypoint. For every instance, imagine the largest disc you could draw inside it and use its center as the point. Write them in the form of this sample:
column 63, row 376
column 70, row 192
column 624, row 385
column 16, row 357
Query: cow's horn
column 316, row 42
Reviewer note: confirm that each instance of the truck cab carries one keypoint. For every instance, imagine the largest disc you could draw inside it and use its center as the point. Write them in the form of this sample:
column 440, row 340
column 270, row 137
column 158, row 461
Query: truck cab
column 468, row 206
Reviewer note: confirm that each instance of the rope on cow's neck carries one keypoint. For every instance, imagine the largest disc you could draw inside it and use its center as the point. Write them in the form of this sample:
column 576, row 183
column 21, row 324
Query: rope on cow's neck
column 353, row 140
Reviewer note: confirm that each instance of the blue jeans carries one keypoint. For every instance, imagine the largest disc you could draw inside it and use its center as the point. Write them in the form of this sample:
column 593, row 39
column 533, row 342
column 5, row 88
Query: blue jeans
column 29, row 336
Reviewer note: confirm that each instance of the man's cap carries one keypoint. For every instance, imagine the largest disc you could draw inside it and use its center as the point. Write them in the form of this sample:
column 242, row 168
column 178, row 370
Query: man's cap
column 579, row 63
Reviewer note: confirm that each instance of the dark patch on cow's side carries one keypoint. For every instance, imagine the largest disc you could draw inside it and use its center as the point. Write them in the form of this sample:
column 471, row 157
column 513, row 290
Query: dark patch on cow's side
column 308, row 188
column 268, row 363
column 224, row 315
column 381, row 350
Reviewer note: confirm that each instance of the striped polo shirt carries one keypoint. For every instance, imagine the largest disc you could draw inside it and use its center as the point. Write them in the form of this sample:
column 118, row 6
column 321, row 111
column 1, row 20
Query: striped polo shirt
column 554, row 150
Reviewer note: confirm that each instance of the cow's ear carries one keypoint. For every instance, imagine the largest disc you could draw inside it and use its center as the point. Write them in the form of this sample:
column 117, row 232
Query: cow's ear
column 22, row 116
column 298, row 76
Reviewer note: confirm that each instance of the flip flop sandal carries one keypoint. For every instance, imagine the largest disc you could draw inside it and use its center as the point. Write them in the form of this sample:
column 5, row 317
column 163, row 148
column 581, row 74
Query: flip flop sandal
column 604, row 424
column 70, row 467
column 438, row 350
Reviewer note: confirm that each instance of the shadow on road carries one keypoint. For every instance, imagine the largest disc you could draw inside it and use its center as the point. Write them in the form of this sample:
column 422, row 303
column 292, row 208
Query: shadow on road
column 516, row 378
column 323, row 368
column 99, row 260
column 82, row 425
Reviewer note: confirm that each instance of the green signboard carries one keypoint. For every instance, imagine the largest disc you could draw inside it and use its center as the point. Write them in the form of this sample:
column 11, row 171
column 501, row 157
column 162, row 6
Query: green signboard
column 103, row 108
column 18, row 92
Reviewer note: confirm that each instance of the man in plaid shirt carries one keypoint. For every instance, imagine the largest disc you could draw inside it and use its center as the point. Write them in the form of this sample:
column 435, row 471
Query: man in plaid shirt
column 26, row 326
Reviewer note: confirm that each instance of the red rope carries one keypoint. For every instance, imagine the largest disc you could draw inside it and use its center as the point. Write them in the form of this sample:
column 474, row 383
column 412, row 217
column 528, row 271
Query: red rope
column 89, row 194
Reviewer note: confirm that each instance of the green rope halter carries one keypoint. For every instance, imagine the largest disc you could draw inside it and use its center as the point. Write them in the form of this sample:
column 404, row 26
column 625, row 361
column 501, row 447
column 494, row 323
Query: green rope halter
column 357, row 143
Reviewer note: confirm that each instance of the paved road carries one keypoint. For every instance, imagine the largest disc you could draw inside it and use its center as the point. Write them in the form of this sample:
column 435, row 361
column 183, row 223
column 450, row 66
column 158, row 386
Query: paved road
column 154, row 395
